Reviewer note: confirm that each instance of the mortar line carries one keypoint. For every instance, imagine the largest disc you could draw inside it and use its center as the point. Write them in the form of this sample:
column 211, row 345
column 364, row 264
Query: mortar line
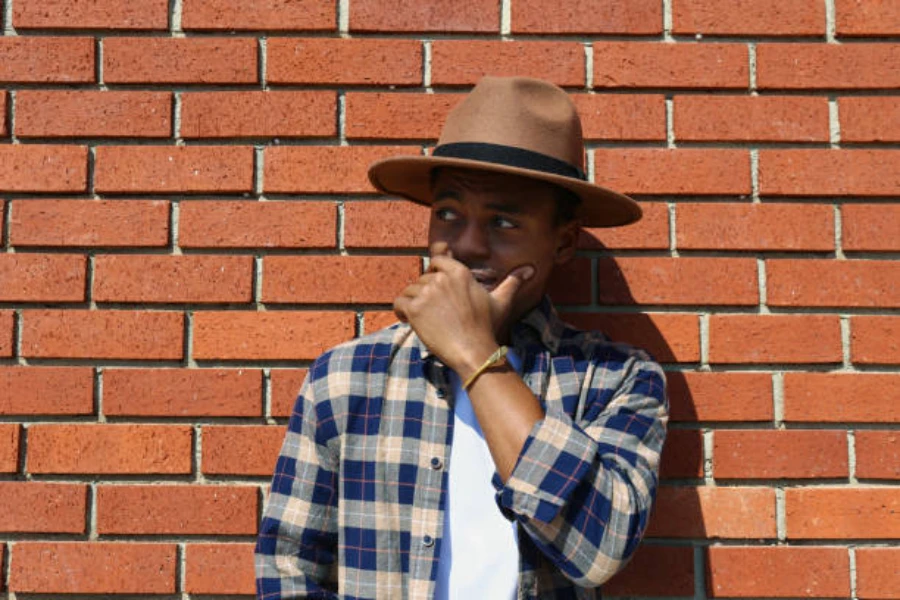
column 98, row 64
column 754, row 175
column 851, row 556
column 342, row 250
column 263, row 63
column 751, row 68
column 188, row 351
column 198, row 455
column 708, row 457
column 834, row 123
column 342, row 118
column 704, row 341
column 175, row 8
column 257, row 281
column 830, row 24
column 259, row 158
column 845, row 342
column 176, row 118
column 359, row 324
column 17, row 337
column 174, row 224
column 673, row 229
column 589, row 171
column 98, row 396
column 763, row 292
column 588, row 66
column 181, row 568
column 778, row 399
column 92, row 511
column 89, row 268
column 8, row 23
column 426, row 66
column 7, row 221
column 780, row 515
column 670, row 122
column 699, row 573
column 505, row 19
column 667, row 21
column 343, row 17
column 851, row 456
column 839, row 232
column 91, row 161
column 267, row 396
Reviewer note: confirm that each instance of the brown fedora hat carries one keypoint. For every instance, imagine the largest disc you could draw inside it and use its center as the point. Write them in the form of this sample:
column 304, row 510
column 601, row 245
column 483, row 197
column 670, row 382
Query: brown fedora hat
column 514, row 125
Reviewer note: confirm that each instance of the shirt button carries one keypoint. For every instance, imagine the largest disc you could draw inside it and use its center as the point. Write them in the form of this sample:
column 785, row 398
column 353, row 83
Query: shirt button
column 441, row 393
column 436, row 463
column 428, row 541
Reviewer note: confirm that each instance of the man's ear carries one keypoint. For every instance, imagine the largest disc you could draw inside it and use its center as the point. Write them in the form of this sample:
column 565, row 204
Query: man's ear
column 567, row 241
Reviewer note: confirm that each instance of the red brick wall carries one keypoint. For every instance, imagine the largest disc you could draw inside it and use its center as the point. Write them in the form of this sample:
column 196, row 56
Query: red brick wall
column 186, row 223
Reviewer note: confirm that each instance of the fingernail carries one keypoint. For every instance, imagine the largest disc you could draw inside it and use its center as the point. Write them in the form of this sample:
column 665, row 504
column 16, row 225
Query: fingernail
column 527, row 273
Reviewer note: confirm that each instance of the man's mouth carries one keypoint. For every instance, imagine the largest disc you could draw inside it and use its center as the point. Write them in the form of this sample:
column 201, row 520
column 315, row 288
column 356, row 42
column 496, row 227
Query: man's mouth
column 486, row 278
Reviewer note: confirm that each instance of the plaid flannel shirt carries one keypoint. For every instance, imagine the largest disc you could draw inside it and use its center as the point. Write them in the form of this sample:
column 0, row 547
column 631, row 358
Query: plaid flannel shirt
column 356, row 503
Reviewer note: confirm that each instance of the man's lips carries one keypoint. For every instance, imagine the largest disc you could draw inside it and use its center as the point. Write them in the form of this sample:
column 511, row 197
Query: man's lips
column 487, row 278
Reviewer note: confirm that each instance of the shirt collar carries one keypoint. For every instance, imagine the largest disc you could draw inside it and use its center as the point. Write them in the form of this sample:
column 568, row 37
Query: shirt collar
column 541, row 324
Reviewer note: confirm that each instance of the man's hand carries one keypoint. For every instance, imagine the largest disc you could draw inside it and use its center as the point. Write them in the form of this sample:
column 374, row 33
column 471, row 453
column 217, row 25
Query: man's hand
column 453, row 315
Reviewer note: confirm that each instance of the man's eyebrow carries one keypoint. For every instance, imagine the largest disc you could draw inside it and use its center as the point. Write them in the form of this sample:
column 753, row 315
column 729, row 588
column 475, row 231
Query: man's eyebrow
column 511, row 207
column 446, row 194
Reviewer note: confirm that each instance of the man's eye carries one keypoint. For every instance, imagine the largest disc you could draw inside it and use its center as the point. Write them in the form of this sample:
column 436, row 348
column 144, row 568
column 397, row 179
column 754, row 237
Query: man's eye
column 445, row 214
column 504, row 223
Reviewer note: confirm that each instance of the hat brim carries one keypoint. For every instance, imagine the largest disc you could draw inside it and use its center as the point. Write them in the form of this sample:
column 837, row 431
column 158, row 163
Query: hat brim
column 410, row 178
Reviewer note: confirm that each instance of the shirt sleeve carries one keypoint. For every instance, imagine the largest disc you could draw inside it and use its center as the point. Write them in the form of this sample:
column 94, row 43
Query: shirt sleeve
column 295, row 551
column 583, row 489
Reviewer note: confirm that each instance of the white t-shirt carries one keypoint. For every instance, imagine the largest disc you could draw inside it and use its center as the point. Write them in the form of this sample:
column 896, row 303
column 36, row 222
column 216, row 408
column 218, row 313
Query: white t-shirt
column 480, row 551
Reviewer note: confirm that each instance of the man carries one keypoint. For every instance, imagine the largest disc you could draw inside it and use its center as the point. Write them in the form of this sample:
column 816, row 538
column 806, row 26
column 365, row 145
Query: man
column 481, row 448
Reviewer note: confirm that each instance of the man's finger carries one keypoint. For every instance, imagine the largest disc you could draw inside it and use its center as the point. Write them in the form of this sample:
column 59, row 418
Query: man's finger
column 504, row 293
column 440, row 249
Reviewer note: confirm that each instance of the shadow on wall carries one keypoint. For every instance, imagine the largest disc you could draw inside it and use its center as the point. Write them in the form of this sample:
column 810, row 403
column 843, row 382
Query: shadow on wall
column 659, row 567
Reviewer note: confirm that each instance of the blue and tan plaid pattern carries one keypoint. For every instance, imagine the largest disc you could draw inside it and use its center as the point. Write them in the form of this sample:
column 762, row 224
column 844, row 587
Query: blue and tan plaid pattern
column 356, row 503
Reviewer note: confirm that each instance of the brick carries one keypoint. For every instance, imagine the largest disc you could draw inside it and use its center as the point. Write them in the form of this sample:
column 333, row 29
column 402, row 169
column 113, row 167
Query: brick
column 761, row 339
column 42, row 59
column 877, row 454
column 38, row 507
column 877, row 575
column 241, row 450
column 272, row 335
column 655, row 571
column 841, row 397
column 123, row 334
column 43, row 168
column 251, row 224
column 270, row 15
column 42, row 277
column 719, row 396
column 464, row 62
column 6, row 333
column 682, row 455
column 258, row 114
column 89, row 223
column 827, row 66
column 875, row 340
column 650, row 233
column 337, row 279
column 93, row 114
column 46, row 390
column 668, row 337
column 802, row 572
column 148, row 279
column 867, row 17
column 220, row 569
column 570, row 283
column 710, row 512
column 751, row 118
column 93, row 568
column 4, row 129
column 639, row 17
column 779, row 454
column 869, row 119
column 748, row 17
column 477, row 16
column 179, row 60
column 285, row 389
column 177, row 509
column 175, row 169
column 376, row 320
column 760, row 227
column 829, row 172
column 182, row 392
column 870, row 227
column 91, row 14
column 324, row 169
column 397, row 115
column 639, row 117
column 344, row 61
column 691, row 171
column 842, row 513
column 859, row 283
column 9, row 447
column 670, row 65
column 685, row 281
column 385, row 224
column 109, row 449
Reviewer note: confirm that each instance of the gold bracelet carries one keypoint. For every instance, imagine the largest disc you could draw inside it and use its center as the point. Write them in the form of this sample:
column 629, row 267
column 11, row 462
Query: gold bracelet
column 495, row 358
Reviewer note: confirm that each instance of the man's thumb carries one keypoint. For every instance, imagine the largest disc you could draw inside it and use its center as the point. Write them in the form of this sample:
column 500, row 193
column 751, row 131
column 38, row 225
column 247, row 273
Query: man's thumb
column 506, row 291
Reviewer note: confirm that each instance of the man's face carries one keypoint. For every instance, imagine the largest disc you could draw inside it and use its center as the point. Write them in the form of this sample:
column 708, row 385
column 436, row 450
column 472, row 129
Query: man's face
column 494, row 223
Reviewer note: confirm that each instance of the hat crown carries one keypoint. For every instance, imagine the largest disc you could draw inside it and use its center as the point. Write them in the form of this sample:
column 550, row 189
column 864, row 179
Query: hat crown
column 518, row 112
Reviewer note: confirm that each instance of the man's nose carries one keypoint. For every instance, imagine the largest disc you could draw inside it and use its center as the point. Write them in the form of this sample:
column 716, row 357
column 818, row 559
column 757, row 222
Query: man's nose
column 471, row 244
